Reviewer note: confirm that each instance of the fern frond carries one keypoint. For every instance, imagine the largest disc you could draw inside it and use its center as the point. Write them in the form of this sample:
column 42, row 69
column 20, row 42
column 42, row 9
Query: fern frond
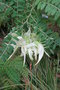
column 51, row 7
column 13, row 69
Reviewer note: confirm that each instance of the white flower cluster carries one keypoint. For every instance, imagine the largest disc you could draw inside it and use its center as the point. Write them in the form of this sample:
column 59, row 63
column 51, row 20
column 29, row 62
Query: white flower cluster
column 29, row 47
column 33, row 49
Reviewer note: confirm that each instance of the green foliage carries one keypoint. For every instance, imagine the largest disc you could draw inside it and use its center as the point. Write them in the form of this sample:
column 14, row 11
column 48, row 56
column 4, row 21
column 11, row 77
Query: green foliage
column 43, row 78
column 14, row 12
column 51, row 7
column 13, row 71
column 20, row 15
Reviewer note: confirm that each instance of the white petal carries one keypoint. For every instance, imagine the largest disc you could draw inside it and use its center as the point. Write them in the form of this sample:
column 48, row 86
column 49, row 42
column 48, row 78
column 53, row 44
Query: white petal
column 40, row 52
column 30, row 45
column 24, row 59
column 47, row 54
column 35, row 52
column 24, row 51
column 30, row 53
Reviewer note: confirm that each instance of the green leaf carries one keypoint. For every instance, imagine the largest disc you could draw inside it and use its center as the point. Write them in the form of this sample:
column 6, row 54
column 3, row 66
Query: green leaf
column 39, row 5
column 43, row 5
column 12, row 74
column 57, row 15
column 37, row 1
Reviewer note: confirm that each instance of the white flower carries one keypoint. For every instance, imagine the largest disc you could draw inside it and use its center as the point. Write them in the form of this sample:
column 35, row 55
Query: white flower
column 29, row 47
column 40, row 53
column 30, row 53
column 33, row 49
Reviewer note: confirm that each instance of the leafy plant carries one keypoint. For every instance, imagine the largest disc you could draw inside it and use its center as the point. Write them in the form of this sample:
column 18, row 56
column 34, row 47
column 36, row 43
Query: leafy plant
column 51, row 7
column 12, row 71
column 41, row 17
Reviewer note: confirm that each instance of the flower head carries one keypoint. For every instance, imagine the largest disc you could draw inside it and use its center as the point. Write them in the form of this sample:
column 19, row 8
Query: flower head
column 30, row 46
